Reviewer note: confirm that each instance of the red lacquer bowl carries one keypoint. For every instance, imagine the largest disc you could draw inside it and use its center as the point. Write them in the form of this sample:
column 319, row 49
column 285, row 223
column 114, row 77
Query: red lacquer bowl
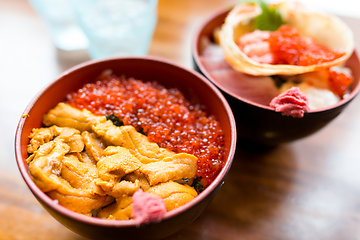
column 257, row 123
column 148, row 68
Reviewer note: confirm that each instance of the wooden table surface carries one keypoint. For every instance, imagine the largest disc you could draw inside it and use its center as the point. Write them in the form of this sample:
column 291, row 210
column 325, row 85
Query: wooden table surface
column 308, row 189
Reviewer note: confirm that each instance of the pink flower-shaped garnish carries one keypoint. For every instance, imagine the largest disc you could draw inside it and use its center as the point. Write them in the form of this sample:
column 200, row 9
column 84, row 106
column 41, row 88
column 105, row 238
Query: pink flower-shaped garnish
column 147, row 207
column 291, row 103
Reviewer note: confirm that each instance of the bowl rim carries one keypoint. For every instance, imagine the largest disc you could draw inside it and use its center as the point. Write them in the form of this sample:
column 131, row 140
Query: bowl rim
column 219, row 180
column 196, row 55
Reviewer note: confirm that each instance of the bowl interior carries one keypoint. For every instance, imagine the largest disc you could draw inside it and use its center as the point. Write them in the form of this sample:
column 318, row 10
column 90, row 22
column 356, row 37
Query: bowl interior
column 168, row 74
column 231, row 87
column 258, row 123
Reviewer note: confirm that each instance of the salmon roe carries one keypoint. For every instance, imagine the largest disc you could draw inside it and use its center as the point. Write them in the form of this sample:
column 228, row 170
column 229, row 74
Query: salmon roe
column 339, row 82
column 289, row 46
column 164, row 115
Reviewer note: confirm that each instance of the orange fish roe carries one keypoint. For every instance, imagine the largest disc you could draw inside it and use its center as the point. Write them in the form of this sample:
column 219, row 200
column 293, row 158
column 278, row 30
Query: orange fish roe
column 289, row 46
column 164, row 115
column 339, row 82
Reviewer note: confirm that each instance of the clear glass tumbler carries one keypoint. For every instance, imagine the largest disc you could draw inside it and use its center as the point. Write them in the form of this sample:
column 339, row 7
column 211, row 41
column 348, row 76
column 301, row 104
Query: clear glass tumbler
column 117, row 27
column 60, row 18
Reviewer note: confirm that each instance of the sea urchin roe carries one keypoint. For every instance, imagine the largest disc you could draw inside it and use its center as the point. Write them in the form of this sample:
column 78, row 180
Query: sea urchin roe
column 164, row 115
column 290, row 46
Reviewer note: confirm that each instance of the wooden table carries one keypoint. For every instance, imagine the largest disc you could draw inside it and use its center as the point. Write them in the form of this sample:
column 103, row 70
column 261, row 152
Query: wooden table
column 308, row 189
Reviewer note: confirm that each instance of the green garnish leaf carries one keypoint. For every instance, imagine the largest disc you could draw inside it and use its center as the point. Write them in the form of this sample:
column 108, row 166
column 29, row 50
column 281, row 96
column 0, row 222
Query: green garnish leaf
column 278, row 80
column 186, row 179
column 115, row 120
column 197, row 185
column 269, row 20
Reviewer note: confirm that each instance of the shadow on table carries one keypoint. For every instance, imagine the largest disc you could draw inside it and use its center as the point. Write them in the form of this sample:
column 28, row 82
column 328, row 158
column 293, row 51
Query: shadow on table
column 258, row 182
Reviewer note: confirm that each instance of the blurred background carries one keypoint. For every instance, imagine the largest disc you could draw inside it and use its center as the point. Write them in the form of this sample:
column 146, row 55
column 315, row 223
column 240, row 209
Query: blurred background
column 349, row 8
